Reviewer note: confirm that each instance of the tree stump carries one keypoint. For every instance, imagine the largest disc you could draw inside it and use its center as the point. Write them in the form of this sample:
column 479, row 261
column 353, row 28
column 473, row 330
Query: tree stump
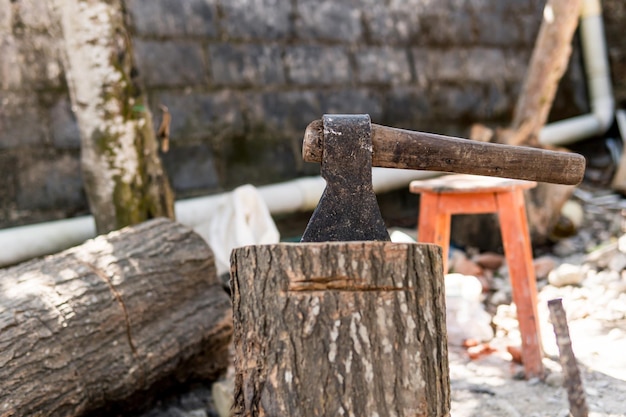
column 342, row 328
column 105, row 321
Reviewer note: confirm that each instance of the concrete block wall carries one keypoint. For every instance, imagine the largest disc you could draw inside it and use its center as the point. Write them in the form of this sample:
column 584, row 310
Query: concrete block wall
column 243, row 78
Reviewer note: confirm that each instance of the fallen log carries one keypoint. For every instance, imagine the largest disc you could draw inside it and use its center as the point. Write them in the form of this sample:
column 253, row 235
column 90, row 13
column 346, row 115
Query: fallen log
column 112, row 318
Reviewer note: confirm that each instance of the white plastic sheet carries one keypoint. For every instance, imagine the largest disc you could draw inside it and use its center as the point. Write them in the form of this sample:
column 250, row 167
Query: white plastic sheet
column 241, row 218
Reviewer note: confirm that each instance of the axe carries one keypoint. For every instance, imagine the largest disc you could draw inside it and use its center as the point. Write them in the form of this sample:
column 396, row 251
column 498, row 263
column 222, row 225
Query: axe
column 347, row 146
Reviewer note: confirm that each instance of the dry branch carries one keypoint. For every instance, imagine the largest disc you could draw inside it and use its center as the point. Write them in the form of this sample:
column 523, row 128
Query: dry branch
column 571, row 373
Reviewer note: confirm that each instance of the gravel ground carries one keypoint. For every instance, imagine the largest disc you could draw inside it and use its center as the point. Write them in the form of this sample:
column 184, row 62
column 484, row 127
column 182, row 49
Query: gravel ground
column 589, row 274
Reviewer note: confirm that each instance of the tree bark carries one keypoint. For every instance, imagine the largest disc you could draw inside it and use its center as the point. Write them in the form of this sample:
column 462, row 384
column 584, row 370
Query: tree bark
column 106, row 322
column 331, row 329
column 123, row 176
column 548, row 63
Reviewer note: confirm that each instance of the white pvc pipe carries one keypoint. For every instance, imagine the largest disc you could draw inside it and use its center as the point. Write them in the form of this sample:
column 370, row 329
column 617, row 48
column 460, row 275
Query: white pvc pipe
column 20, row 243
column 26, row 242
column 598, row 84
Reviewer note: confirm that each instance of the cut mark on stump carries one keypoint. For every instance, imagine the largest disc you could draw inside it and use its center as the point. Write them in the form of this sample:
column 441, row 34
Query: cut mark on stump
column 339, row 283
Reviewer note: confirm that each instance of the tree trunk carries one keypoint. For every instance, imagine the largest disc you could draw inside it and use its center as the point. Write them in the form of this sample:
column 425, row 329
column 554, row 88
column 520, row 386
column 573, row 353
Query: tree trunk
column 548, row 63
column 332, row 329
column 122, row 172
column 107, row 321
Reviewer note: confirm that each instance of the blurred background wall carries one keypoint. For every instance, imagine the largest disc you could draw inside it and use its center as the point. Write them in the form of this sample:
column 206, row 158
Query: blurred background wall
column 242, row 79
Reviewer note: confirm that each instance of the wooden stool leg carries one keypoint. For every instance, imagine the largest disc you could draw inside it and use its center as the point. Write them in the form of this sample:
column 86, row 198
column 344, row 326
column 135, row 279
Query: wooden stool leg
column 518, row 251
column 434, row 225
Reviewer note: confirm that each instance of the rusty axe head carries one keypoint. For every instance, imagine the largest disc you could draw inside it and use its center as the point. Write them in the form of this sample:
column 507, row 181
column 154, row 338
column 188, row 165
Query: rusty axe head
column 349, row 145
column 348, row 209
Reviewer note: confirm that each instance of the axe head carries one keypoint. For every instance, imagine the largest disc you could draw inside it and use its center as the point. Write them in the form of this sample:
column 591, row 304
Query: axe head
column 347, row 210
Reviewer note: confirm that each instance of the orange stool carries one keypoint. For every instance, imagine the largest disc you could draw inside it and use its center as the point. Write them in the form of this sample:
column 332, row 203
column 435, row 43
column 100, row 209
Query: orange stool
column 467, row 194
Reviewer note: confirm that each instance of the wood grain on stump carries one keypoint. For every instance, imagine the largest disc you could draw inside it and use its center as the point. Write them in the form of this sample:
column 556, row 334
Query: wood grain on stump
column 333, row 329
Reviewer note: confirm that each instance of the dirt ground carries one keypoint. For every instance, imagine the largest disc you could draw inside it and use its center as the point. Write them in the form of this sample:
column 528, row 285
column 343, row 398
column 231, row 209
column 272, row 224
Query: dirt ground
column 490, row 385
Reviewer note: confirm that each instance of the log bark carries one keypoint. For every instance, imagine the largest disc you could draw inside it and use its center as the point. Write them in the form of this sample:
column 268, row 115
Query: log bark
column 124, row 180
column 110, row 319
column 331, row 329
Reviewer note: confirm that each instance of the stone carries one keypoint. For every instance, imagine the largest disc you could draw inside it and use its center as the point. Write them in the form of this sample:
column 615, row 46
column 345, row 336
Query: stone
column 406, row 106
column 466, row 100
column 489, row 260
column 20, row 121
column 500, row 30
column 63, row 125
column 448, row 27
column 329, row 20
column 351, row 101
column 49, row 181
column 290, row 111
column 439, row 64
column 543, row 266
column 618, row 262
column 485, row 63
column 170, row 63
column 554, row 379
column 191, row 169
column 574, row 212
column 256, row 19
column 394, row 24
column 566, row 274
column 567, row 247
column 465, row 315
column 173, row 18
column 223, row 396
column 459, row 263
column 201, row 115
column 236, row 65
column 621, row 244
column 383, row 66
column 316, row 65
column 8, row 180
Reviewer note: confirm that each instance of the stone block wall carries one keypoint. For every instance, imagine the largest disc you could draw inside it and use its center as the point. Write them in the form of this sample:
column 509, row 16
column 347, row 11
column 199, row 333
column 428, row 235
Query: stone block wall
column 243, row 78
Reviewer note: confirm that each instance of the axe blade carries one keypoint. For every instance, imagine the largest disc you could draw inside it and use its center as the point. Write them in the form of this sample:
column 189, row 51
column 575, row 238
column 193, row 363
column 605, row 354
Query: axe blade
column 348, row 209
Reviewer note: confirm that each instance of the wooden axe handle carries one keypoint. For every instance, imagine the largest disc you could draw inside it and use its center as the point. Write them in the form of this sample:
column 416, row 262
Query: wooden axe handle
column 399, row 148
